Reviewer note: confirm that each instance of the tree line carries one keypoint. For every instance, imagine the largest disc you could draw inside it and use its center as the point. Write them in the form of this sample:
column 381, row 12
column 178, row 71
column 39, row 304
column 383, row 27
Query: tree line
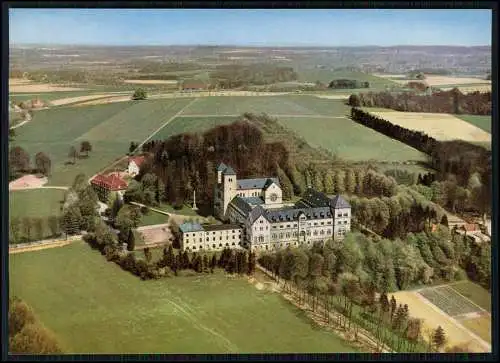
column 453, row 101
column 330, row 278
column 347, row 84
column 238, row 75
column 27, row 335
column 29, row 229
column 457, row 163
column 20, row 163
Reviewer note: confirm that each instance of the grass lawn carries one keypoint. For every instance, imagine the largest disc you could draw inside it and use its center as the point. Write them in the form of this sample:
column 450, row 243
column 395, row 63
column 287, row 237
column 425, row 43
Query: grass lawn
column 35, row 202
column 41, row 203
column 349, row 140
column 109, row 127
column 153, row 218
column 483, row 122
column 481, row 326
column 95, row 307
column 474, row 292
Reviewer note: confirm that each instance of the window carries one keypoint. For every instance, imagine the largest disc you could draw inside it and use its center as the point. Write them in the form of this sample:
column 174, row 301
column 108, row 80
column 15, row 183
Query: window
column 213, row 239
column 322, row 223
column 220, row 238
column 220, row 244
column 329, row 222
column 261, row 228
column 287, row 226
column 345, row 222
column 201, row 239
column 281, row 235
column 346, row 214
column 315, row 223
column 288, row 235
column 213, row 246
column 281, row 226
column 322, row 232
column 339, row 215
column 339, row 222
column 315, row 233
column 208, row 239
column 194, row 247
column 274, row 235
column 187, row 241
column 233, row 243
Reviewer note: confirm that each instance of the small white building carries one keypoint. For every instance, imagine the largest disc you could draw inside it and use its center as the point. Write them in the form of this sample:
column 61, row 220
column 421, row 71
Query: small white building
column 134, row 164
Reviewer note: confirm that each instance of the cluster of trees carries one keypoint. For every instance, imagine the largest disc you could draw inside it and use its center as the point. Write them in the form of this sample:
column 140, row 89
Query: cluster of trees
column 347, row 276
column 453, row 101
column 80, row 209
column 238, row 75
column 85, row 148
column 463, row 170
column 162, row 67
column 28, row 229
column 20, row 163
column 419, row 86
column 232, row 261
column 26, row 334
column 150, row 190
column 139, row 94
column 347, row 84
column 396, row 216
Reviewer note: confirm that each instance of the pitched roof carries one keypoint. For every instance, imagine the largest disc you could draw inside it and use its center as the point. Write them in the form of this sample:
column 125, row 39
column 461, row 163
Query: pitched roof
column 138, row 160
column 241, row 204
column 190, row 227
column 315, row 198
column 110, row 182
column 253, row 200
column 221, row 167
column 220, row 227
column 258, row 183
column 292, row 214
column 339, row 202
column 256, row 213
column 229, row 171
column 270, row 182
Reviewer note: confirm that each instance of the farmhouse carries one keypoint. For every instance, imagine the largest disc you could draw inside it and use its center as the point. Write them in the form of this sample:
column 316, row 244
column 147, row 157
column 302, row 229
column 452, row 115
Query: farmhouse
column 134, row 164
column 105, row 185
column 193, row 86
column 256, row 207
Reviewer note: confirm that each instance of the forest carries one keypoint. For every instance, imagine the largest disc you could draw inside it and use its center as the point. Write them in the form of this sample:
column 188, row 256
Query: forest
column 347, row 84
column 463, row 174
column 238, row 75
column 453, row 101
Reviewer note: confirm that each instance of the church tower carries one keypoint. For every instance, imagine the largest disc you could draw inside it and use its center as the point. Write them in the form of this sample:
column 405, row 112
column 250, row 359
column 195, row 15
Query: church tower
column 225, row 190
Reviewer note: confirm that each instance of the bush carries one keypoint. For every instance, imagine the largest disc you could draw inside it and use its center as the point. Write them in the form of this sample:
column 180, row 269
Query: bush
column 145, row 210
column 459, row 274
column 139, row 94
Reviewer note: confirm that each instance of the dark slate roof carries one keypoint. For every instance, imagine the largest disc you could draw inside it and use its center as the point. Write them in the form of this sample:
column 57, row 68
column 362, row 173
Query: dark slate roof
column 190, row 227
column 258, row 183
column 221, row 167
column 270, row 181
column 256, row 213
column 229, row 171
column 241, row 204
column 315, row 198
column 339, row 202
column 253, row 200
column 220, row 227
column 292, row 214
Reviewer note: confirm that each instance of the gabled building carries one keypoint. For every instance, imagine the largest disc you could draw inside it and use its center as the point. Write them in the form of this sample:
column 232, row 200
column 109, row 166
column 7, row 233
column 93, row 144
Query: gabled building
column 197, row 237
column 256, row 206
column 105, row 185
column 134, row 164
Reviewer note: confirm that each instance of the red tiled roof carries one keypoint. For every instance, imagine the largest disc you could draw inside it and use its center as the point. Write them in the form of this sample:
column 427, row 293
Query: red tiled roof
column 469, row 227
column 138, row 160
column 110, row 182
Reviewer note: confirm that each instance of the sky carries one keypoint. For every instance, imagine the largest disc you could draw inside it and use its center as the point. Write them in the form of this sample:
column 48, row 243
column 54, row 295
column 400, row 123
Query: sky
column 250, row 27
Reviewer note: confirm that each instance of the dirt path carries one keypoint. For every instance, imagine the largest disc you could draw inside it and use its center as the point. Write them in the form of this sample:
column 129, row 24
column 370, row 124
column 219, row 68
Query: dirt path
column 165, row 124
column 42, row 245
column 272, row 115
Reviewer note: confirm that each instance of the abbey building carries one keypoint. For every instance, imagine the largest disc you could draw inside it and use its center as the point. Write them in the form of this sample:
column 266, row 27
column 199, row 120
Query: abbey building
column 257, row 218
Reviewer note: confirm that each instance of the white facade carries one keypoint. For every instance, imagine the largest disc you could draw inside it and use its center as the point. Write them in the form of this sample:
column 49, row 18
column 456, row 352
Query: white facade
column 133, row 168
column 210, row 238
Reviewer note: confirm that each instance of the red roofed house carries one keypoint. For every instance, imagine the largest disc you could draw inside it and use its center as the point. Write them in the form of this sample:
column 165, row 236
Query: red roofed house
column 193, row 86
column 104, row 185
column 470, row 227
column 134, row 163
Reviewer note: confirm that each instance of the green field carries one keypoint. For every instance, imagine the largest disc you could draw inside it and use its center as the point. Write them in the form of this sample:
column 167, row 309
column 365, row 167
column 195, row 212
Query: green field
column 483, row 122
column 474, row 292
column 350, row 140
column 326, row 76
column 35, row 202
column 94, row 307
column 153, row 218
column 196, row 124
column 110, row 128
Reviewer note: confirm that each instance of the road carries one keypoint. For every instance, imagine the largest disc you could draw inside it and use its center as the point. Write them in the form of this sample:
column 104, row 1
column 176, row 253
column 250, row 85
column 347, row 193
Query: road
column 44, row 244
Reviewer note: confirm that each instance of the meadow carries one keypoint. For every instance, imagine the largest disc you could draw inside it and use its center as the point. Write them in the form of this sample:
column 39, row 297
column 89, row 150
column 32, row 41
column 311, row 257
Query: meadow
column 110, row 128
column 326, row 76
column 94, row 307
column 483, row 122
column 350, row 140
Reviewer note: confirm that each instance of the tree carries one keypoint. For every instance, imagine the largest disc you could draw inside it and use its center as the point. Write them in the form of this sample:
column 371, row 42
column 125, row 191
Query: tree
column 85, row 147
column 354, row 101
column 15, row 229
column 73, row 153
column 43, row 163
column 147, row 254
column 27, row 225
column 71, row 220
column 139, row 94
column 54, row 226
column 393, row 306
column 286, row 185
column 19, row 159
column 19, row 315
column 132, row 147
column 34, row 339
column 38, row 228
column 439, row 338
column 213, row 263
column 131, row 240
column 80, row 182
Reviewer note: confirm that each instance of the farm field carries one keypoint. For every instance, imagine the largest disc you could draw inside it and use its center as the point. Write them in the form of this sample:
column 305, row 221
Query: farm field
column 40, row 203
column 483, row 122
column 35, row 202
column 116, row 312
column 326, row 76
column 445, row 306
column 18, row 97
column 474, row 292
column 442, row 127
column 350, row 140
column 109, row 128
column 480, row 325
column 186, row 124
